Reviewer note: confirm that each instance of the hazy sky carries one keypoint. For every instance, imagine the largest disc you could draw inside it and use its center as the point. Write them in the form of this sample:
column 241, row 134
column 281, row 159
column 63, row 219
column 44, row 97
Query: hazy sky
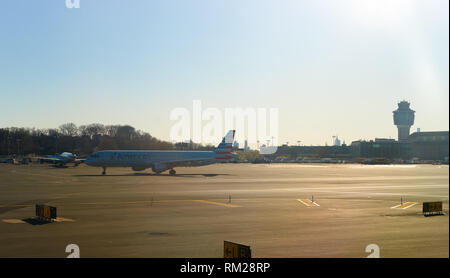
column 330, row 67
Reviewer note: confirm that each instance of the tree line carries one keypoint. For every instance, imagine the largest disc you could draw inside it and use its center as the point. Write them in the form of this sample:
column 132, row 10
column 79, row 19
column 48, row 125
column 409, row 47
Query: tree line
column 83, row 140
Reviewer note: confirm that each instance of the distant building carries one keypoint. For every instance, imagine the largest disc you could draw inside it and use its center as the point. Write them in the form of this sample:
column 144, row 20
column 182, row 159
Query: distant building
column 300, row 153
column 429, row 145
column 421, row 145
column 236, row 145
column 380, row 148
column 336, row 141
column 425, row 146
column 246, row 147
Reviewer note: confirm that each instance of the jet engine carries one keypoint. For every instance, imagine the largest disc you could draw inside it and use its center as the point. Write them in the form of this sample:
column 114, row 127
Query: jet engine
column 158, row 168
column 138, row 168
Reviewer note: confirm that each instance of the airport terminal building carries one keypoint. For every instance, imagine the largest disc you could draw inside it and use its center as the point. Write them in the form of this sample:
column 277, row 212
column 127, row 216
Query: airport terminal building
column 419, row 145
column 386, row 148
column 429, row 145
column 432, row 145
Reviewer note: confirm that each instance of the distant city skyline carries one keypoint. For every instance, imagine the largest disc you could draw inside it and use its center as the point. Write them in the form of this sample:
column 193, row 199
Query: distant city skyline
column 330, row 67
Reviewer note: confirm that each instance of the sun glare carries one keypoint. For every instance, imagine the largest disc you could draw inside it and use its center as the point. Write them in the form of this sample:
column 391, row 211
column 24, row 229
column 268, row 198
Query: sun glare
column 380, row 13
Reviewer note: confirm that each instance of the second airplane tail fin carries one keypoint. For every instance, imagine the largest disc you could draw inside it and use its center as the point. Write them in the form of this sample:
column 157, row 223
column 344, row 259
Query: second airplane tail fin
column 223, row 150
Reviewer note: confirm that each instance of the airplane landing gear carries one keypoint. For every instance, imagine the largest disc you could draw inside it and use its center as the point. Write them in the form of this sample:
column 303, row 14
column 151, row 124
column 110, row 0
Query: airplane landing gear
column 172, row 172
column 104, row 171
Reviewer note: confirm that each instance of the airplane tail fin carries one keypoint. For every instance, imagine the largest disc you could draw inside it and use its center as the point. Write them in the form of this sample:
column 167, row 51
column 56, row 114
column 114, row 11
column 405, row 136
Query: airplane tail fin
column 223, row 150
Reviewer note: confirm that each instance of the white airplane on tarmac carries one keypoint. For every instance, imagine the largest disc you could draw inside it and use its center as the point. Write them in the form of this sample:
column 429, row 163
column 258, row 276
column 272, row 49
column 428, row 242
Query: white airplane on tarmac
column 61, row 159
column 160, row 161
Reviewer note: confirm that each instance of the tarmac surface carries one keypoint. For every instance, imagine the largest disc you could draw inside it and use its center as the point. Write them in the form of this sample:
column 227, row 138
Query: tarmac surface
column 280, row 210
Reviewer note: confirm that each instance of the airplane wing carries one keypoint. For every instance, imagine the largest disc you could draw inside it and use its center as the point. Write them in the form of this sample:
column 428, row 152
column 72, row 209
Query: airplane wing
column 49, row 159
column 185, row 162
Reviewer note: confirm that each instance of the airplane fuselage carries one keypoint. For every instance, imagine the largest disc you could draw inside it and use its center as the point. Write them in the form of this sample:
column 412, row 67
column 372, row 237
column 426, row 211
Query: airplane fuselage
column 150, row 159
column 160, row 161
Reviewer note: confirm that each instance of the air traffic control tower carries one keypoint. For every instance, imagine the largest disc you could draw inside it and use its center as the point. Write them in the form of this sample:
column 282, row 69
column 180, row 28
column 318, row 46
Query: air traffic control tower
column 403, row 119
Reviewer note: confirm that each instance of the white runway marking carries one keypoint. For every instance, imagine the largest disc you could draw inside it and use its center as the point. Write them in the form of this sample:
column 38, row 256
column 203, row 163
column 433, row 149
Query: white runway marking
column 308, row 203
column 405, row 205
column 320, row 190
column 303, row 203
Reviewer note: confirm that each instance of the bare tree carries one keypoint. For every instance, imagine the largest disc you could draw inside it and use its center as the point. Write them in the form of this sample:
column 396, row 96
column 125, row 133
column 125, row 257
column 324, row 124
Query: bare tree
column 92, row 130
column 68, row 129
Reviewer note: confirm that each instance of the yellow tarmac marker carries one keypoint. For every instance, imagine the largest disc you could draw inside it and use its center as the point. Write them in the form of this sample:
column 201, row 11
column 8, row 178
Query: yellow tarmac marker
column 123, row 203
column 405, row 205
column 13, row 221
column 115, row 203
column 63, row 219
column 216, row 203
column 308, row 203
column 19, row 221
